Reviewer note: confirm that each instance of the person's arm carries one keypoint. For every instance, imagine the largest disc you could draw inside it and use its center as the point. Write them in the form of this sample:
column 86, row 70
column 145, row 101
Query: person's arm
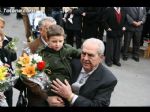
column 106, row 19
column 35, row 88
column 102, row 95
column 72, row 51
column 55, row 101
column 142, row 21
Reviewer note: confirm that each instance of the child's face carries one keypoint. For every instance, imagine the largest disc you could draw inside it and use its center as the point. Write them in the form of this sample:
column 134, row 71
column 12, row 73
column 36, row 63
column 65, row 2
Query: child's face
column 56, row 42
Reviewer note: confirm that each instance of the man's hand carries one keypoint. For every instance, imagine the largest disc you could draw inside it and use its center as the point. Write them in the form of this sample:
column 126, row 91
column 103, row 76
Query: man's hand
column 123, row 28
column 55, row 101
column 83, row 14
column 140, row 23
column 135, row 24
column 62, row 89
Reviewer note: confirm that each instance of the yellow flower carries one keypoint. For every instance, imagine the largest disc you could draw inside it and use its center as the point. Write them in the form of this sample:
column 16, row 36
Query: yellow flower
column 24, row 60
column 3, row 72
column 29, row 71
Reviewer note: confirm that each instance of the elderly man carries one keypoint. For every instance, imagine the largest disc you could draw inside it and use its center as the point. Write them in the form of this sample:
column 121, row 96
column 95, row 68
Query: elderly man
column 92, row 83
column 40, row 41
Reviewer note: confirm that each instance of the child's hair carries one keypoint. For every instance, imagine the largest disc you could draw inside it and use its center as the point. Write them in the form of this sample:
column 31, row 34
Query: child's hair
column 55, row 30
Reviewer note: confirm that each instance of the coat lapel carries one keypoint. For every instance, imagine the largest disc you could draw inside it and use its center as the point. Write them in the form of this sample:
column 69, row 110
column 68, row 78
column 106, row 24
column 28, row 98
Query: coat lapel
column 76, row 68
column 92, row 81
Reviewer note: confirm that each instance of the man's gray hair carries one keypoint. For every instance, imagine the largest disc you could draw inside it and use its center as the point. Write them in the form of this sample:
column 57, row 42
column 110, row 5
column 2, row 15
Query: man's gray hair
column 97, row 42
column 50, row 19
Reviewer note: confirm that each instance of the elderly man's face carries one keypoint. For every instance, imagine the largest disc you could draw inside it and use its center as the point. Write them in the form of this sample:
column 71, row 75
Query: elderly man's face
column 44, row 28
column 90, row 57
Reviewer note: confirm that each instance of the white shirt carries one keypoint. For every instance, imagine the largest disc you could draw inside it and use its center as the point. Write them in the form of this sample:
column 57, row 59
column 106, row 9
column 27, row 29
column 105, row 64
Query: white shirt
column 1, row 42
column 118, row 10
column 5, row 38
column 43, row 41
column 83, row 76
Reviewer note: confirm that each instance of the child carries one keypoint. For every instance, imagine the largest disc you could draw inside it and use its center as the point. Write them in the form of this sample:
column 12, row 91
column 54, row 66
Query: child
column 57, row 56
column 66, row 11
column 7, row 57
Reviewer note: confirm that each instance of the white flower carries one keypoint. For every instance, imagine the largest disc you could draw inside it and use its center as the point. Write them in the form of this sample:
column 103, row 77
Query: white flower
column 36, row 58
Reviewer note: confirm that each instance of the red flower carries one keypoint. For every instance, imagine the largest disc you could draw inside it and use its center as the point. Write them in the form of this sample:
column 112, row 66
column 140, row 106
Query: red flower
column 41, row 65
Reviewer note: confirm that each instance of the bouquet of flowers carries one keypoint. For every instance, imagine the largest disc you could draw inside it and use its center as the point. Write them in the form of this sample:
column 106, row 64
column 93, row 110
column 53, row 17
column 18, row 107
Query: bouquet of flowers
column 7, row 80
column 12, row 45
column 32, row 67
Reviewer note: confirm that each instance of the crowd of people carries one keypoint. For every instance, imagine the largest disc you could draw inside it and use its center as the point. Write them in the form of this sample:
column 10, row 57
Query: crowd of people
column 77, row 74
column 120, row 23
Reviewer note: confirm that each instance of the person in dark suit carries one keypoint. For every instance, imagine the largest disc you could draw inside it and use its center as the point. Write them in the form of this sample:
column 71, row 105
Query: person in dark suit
column 74, row 29
column 92, row 83
column 136, row 17
column 114, row 22
column 90, row 22
column 146, row 27
column 56, row 13
column 6, row 57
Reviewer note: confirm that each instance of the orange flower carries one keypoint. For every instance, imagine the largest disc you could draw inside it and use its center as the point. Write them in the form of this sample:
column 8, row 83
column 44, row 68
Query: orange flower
column 29, row 71
column 24, row 60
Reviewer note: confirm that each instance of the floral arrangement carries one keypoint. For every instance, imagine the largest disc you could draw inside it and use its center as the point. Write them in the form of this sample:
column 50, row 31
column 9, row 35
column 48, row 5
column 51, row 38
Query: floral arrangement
column 7, row 80
column 7, row 77
column 12, row 44
column 32, row 67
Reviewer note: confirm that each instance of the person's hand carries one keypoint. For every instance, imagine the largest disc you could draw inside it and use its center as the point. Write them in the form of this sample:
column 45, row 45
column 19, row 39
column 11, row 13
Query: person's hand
column 55, row 101
column 7, row 65
column 135, row 24
column 109, row 29
column 62, row 89
column 83, row 14
column 123, row 28
column 139, row 23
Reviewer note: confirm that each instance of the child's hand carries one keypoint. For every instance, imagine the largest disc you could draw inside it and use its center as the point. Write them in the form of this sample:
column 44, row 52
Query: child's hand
column 5, row 64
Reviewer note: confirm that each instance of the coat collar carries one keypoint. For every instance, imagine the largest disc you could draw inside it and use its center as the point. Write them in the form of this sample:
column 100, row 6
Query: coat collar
column 93, row 79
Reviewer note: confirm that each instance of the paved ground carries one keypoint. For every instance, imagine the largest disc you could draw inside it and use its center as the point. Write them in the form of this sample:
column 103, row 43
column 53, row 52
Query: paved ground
column 133, row 88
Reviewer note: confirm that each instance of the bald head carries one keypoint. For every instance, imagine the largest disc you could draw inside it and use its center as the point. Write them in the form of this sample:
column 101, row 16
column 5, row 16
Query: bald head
column 94, row 43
